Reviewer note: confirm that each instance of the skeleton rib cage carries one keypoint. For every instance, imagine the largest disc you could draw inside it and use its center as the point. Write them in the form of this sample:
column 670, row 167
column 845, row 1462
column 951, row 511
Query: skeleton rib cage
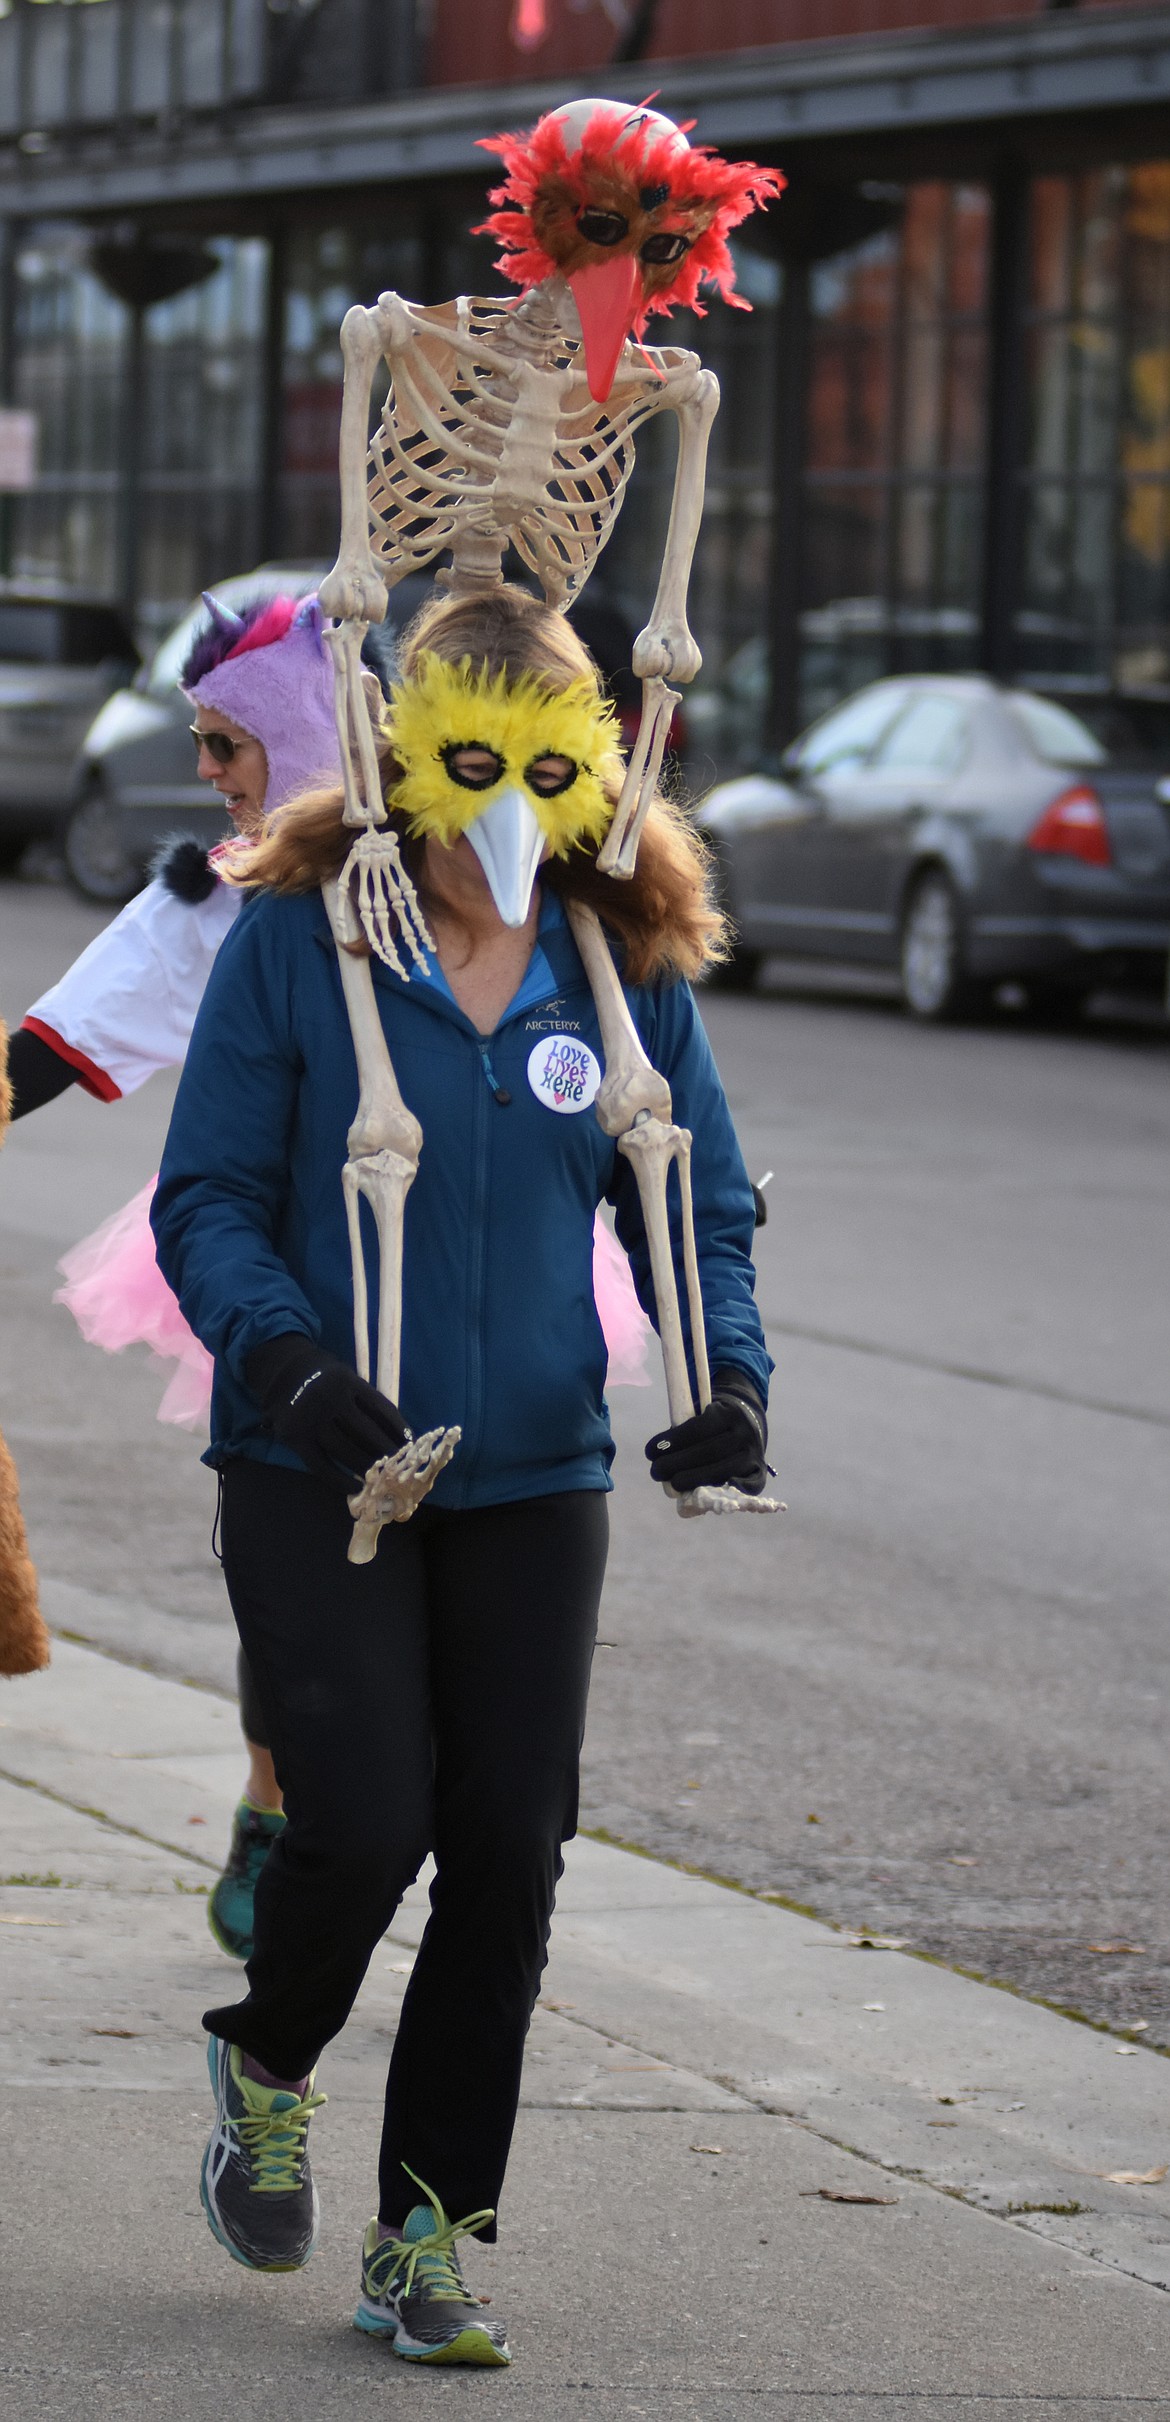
column 440, row 460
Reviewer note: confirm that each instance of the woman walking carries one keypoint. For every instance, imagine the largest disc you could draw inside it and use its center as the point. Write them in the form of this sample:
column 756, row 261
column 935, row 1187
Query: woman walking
column 434, row 1698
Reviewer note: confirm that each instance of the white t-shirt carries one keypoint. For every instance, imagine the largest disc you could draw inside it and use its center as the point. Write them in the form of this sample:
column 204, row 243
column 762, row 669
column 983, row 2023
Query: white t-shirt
column 126, row 1007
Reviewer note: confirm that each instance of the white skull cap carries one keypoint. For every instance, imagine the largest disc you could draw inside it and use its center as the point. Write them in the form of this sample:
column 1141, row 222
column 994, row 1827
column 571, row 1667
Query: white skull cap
column 575, row 117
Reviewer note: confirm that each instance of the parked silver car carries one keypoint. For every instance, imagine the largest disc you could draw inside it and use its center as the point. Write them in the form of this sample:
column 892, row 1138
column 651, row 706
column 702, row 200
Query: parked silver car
column 963, row 833
column 60, row 656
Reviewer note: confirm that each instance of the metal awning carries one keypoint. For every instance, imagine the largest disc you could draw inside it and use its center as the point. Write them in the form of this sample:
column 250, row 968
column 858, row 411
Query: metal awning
column 795, row 94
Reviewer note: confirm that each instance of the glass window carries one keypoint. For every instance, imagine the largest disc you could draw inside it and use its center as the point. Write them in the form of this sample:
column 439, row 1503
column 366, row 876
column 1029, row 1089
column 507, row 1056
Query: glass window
column 722, row 714
column 1096, row 481
column 930, row 738
column 201, row 478
column 1055, row 735
column 327, row 269
column 30, row 634
column 894, row 480
column 69, row 356
column 846, row 738
column 164, row 476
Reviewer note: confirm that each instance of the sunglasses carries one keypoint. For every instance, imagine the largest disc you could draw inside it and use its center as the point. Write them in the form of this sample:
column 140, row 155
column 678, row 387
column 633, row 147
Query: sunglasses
column 217, row 744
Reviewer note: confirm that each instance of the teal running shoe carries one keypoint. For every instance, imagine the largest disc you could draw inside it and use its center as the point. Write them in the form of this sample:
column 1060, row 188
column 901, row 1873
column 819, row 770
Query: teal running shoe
column 229, row 1910
column 414, row 2293
column 255, row 2185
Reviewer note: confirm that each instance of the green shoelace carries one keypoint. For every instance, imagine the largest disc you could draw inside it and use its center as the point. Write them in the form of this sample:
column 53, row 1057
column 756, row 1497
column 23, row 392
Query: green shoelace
column 275, row 2144
column 428, row 2262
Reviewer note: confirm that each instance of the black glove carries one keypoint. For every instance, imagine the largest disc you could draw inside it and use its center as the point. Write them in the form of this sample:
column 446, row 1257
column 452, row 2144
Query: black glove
column 726, row 1442
column 36, row 1072
column 312, row 1402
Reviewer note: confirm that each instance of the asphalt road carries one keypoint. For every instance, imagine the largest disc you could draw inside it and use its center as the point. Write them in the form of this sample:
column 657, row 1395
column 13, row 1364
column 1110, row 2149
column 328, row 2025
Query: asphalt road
column 930, row 1700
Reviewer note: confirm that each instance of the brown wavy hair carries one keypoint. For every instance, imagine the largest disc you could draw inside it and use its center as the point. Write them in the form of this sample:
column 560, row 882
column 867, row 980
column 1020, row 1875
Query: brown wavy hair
column 665, row 916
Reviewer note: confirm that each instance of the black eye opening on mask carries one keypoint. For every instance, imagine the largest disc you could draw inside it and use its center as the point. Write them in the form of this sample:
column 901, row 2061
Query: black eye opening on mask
column 464, row 748
column 602, row 226
column 660, row 249
column 548, row 785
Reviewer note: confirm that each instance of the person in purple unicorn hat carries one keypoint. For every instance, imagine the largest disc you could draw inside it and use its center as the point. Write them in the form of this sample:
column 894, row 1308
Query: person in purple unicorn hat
column 261, row 685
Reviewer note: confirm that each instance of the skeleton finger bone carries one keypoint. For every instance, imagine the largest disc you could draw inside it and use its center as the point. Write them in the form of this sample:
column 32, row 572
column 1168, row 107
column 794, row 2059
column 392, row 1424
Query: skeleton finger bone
column 620, row 849
column 386, row 903
column 726, row 1499
column 394, row 1486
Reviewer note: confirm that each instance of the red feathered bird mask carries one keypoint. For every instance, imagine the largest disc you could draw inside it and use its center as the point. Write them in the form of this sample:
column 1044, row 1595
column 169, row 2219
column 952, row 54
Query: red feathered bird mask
column 617, row 202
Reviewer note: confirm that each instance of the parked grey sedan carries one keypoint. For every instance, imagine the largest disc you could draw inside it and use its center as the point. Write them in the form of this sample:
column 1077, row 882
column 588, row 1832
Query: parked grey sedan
column 60, row 656
column 964, row 834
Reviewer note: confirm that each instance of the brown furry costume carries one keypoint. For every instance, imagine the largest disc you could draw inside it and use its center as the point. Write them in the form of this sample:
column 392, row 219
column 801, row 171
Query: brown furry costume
column 24, row 1641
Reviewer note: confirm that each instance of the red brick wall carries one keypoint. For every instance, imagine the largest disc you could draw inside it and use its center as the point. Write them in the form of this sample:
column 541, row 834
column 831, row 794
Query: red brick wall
column 472, row 40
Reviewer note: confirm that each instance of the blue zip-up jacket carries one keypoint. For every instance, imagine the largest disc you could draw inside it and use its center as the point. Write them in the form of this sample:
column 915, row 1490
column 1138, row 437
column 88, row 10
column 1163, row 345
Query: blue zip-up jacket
column 500, row 1329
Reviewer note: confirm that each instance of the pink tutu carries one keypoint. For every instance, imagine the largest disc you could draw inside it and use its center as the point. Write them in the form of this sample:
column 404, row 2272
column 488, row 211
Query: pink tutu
column 119, row 1297
column 625, row 1326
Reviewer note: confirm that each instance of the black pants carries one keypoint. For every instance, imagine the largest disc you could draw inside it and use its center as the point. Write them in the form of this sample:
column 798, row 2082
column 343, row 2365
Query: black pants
column 252, row 1723
column 432, row 1700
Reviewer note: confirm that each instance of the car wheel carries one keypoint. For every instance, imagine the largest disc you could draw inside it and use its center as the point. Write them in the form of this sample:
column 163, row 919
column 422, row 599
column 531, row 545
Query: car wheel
column 739, row 972
column 1051, row 1003
column 935, row 982
column 95, row 853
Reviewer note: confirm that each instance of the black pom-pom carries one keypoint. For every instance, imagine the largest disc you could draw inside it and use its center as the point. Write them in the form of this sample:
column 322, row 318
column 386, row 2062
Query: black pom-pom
column 183, row 865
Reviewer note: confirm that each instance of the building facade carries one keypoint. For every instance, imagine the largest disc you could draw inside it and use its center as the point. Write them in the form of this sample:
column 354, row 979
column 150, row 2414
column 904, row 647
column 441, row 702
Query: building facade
column 945, row 432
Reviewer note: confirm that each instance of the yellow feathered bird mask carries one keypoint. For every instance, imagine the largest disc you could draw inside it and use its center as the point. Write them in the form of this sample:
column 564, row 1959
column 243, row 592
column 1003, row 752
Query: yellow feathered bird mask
column 447, row 710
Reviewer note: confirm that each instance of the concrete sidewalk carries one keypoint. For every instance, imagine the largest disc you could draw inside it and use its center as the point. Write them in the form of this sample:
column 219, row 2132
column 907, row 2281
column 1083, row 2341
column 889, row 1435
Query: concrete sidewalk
column 706, row 2074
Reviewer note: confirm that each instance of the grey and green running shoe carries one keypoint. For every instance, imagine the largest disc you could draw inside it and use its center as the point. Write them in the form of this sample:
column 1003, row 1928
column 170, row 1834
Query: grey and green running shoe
column 256, row 2185
column 414, row 2293
column 229, row 1911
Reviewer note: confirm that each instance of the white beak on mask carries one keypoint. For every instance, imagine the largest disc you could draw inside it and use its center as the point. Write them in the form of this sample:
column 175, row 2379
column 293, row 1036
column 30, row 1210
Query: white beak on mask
column 509, row 844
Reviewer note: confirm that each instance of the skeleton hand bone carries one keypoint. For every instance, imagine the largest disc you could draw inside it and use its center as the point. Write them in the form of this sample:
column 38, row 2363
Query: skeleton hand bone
column 726, row 1499
column 394, row 1486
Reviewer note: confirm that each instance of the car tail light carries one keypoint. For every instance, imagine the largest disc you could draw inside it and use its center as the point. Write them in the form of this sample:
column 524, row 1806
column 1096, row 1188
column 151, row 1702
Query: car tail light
column 1074, row 827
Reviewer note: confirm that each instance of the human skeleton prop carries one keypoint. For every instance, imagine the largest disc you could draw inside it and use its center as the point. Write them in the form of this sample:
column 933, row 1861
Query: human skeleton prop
column 516, row 423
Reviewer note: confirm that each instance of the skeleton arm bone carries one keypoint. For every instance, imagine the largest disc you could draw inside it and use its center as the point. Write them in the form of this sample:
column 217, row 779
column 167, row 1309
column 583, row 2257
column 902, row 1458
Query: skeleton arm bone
column 666, row 647
column 633, row 1105
column 351, row 710
column 383, row 1148
column 355, row 589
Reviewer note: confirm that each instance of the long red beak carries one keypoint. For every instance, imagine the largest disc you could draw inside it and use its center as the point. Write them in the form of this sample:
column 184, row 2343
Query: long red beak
column 607, row 295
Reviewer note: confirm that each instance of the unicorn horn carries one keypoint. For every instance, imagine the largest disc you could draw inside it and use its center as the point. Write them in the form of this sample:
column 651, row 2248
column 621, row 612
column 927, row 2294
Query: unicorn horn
column 222, row 616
